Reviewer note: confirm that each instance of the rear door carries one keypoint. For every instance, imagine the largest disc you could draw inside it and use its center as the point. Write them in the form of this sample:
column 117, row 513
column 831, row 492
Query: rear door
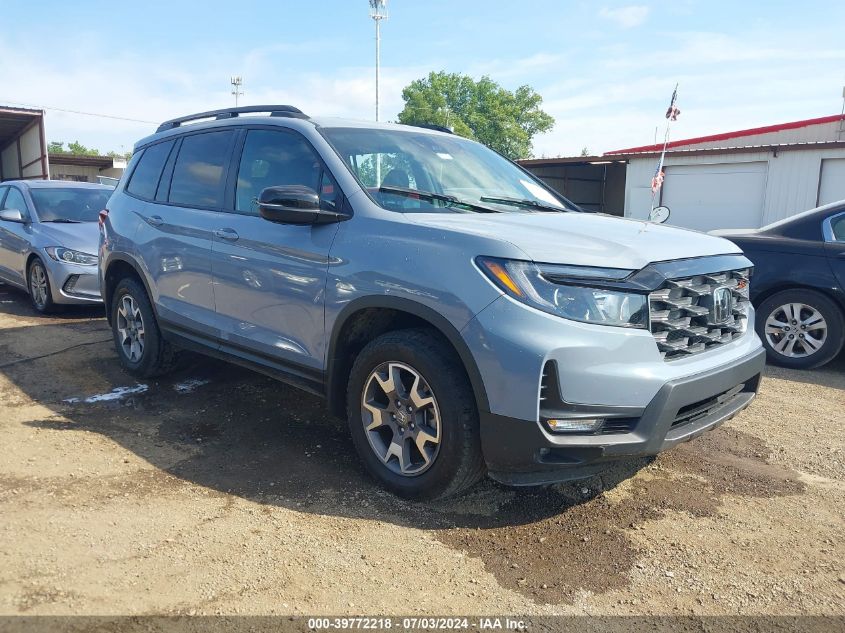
column 14, row 237
column 269, row 279
column 174, row 239
column 835, row 246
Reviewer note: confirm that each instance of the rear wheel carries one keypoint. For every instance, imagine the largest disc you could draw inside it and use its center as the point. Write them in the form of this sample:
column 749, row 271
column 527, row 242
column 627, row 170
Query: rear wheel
column 40, row 292
column 412, row 416
column 140, row 347
column 801, row 329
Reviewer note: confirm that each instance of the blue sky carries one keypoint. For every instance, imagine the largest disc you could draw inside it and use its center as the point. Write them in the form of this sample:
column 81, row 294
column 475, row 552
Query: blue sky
column 605, row 69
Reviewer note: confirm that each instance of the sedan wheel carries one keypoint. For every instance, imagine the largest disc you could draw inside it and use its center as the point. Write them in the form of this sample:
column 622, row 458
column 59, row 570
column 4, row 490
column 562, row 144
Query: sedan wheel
column 401, row 418
column 796, row 330
column 800, row 328
column 38, row 287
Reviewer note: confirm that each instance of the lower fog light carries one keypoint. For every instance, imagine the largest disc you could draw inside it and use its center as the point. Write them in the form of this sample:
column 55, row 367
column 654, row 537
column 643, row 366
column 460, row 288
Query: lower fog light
column 575, row 425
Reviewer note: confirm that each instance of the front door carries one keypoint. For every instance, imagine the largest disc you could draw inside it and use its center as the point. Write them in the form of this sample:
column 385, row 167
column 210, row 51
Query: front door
column 269, row 279
column 835, row 247
column 14, row 238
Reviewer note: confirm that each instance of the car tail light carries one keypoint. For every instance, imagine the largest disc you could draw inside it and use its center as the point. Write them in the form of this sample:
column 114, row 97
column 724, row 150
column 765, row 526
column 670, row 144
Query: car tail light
column 102, row 217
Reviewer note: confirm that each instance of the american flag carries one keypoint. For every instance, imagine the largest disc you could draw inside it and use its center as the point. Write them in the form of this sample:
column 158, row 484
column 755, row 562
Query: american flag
column 673, row 111
column 657, row 181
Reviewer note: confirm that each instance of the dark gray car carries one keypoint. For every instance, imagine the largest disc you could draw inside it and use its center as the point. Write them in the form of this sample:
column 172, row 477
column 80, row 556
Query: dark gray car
column 48, row 240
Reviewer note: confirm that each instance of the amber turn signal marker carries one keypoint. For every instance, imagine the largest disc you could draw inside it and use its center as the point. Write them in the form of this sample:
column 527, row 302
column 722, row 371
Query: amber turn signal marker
column 504, row 278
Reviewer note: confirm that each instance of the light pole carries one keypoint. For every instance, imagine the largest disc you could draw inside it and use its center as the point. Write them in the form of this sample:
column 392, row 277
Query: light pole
column 378, row 12
column 236, row 82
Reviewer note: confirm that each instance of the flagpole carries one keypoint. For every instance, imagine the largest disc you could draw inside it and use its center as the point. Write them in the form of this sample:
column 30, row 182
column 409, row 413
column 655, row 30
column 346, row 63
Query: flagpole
column 671, row 115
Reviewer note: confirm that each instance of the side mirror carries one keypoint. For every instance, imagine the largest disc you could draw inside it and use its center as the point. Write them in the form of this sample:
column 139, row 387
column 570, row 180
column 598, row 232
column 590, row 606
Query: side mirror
column 12, row 215
column 294, row 204
column 659, row 215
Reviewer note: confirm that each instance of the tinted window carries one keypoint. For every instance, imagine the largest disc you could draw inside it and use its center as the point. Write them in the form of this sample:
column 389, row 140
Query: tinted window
column 70, row 204
column 200, row 170
column 838, row 226
column 15, row 201
column 273, row 159
column 146, row 175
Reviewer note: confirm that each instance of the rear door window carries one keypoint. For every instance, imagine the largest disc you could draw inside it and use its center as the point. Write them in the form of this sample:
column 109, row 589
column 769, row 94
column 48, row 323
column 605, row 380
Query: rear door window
column 144, row 181
column 199, row 175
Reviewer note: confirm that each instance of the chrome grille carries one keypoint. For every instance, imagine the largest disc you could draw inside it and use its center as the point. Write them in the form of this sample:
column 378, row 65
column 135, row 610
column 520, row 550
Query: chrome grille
column 681, row 313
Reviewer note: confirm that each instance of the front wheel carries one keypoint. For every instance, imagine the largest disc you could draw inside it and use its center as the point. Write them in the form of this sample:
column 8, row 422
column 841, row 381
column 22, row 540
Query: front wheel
column 412, row 416
column 40, row 292
column 801, row 329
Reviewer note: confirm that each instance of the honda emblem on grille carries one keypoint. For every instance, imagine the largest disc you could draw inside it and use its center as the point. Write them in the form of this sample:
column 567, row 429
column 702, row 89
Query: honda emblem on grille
column 723, row 304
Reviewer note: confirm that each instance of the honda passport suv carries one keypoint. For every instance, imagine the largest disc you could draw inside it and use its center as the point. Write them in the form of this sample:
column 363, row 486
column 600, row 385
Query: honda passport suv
column 462, row 316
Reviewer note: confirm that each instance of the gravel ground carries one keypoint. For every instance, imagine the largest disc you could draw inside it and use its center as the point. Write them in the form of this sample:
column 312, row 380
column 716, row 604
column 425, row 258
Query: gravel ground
column 217, row 490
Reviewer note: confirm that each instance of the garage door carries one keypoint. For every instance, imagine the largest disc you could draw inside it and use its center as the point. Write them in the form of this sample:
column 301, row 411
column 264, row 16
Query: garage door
column 832, row 183
column 721, row 196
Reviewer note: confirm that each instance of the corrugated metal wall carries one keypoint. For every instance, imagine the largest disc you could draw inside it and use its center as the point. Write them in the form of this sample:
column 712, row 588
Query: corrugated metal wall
column 594, row 187
column 792, row 184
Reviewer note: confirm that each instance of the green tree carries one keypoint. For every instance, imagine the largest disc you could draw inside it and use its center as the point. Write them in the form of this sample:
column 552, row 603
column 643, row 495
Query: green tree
column 56, row 147
column 482, row 110
column 79, row 149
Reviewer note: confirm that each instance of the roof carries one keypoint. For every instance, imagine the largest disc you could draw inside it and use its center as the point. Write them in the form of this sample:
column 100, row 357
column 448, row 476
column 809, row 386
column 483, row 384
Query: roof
column 56, row 184
column 569, row 160
column 733, row 149
column 13, row 121
column 297, row 123
column 63, row 158
column 730, row 135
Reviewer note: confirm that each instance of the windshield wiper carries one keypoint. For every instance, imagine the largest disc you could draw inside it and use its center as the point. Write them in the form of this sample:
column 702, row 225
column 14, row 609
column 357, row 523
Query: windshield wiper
column 450, row 201
column 64, row 221
column 530, row 204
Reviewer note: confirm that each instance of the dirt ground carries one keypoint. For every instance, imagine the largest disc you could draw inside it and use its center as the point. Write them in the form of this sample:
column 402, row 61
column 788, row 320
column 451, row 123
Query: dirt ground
column 217, row 490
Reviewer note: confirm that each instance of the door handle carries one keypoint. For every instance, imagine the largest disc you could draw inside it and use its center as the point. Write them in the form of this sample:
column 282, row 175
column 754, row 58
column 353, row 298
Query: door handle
column 155, row 220
column 226, row 234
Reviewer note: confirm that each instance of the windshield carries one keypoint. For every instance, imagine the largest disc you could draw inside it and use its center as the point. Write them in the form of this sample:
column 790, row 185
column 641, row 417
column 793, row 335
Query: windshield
column 454, row 175
column 69, row 204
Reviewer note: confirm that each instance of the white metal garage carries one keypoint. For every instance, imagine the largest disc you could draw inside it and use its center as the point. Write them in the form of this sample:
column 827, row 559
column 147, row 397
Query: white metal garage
column 727, row 195
column 743, row 179
column 832, row 181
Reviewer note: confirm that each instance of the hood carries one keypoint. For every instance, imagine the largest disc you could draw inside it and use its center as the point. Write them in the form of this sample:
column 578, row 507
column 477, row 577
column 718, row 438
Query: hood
column 584, row 239
column 83, row 237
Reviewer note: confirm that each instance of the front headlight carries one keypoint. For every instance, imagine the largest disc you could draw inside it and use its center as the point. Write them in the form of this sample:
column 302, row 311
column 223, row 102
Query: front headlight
column 61, row 254
column 572, row 292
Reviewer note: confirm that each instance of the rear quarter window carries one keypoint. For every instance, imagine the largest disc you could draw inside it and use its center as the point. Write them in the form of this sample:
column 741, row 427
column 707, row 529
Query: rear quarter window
column 144, row 180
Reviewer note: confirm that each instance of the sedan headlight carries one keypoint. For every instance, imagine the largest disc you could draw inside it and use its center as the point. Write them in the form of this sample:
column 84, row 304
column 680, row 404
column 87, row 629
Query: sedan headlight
column 571, row 292
column 61, row 254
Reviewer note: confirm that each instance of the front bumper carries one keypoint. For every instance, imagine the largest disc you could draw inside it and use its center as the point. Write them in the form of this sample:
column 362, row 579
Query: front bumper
column 522, row 452
column 72, row 283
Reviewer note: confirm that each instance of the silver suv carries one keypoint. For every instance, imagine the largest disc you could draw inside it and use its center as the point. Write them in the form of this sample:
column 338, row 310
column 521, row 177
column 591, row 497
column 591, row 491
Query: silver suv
column 464, row 317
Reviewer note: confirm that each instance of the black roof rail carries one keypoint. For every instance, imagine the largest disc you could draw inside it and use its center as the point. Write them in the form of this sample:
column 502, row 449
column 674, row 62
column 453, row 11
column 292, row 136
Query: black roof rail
column 432, row 126
column 229, row 113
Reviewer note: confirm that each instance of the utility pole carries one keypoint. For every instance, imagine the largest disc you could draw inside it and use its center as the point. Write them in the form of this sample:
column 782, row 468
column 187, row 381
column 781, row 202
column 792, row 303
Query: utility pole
column 236, row 82
column 378, row 12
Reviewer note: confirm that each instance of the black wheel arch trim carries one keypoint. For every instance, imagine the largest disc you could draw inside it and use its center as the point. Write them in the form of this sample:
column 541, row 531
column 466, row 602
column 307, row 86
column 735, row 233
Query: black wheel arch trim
column 334, row 383
column 138, row 271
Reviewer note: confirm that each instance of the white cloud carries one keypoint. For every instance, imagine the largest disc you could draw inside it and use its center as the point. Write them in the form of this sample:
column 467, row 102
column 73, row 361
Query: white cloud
column 626, row 17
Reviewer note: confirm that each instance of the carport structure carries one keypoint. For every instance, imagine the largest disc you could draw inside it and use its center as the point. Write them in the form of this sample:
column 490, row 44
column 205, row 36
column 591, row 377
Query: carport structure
column 23, row 145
